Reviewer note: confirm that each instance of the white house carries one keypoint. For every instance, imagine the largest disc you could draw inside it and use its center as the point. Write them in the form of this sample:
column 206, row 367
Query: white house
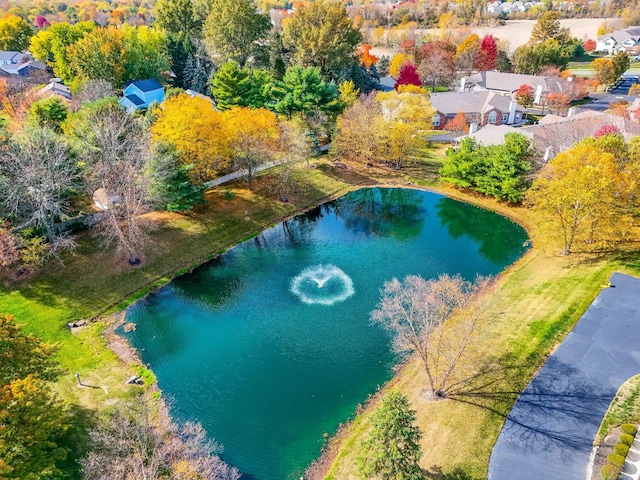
column 627, row 40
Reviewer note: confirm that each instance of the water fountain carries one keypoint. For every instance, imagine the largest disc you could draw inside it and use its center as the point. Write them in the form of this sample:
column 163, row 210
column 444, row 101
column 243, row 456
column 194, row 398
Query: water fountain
column 322, row 284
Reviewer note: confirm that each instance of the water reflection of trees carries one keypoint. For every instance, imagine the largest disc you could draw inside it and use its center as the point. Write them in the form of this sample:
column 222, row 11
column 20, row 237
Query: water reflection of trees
column 387, row 212
column 495, row 235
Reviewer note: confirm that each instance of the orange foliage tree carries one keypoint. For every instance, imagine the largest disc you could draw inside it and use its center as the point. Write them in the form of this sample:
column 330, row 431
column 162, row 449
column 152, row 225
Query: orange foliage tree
column 365, row 56
column 589, row 45
column 457, row 123
column 558, row 102
column 199, row 133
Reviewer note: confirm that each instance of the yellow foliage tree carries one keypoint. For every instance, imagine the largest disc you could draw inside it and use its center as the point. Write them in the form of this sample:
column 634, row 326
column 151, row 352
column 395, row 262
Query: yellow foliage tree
column 397, row 62
column 199, row 133
column 348, row 93
column 254, row 136
column 577, row 198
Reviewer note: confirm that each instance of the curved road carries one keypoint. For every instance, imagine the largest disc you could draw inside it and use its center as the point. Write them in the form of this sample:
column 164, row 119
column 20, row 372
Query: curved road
column 549, row 432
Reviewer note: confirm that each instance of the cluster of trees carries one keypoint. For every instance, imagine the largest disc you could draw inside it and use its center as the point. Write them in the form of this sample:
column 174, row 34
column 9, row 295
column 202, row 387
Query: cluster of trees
column 437, row 62
column 608, row 70
column 388, row 126
column 498, row 170
column 587, row 195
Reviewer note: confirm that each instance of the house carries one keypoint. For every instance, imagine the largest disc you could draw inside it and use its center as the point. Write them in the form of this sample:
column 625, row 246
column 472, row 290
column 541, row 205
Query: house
column 481, row 108
column 508, row 83
column 141, row 93
column 13, row 58
column 494, row 134
column 627, row 40
column 55, row 87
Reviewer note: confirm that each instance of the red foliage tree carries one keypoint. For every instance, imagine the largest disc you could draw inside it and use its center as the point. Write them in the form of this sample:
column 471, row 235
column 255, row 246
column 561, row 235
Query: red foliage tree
column 487, row 55
column 41, row 21
column 408, row 46
column 408, row 76
column 589, row 45
column 605, row 130
column 524, row 95
column 558, row 102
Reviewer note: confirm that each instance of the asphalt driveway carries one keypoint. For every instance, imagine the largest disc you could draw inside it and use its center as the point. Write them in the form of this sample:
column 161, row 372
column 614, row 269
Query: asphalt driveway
column 549, row 432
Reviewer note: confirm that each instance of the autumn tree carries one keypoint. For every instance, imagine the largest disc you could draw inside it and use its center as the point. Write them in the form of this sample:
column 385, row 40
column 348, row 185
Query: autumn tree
column 548, row 27
column 320, row 34
column 9, row 246
column 15, row 33
column 438, row 66
column 392, row 446
column 487, row 54
column 178, row 17
column 457, row 123
column 198, row 132
column 589, row 45
column 621, row 63
column 130, row 444
column 38, row 173
column 436, row 319
column 604, row 70
column 364, row 55
column 466, row 53
column 531, row 59
column 50, row 46
column 32, row 419
column 348, row 93
column 235, row 31
column 397, row 62
column 48, row 112
column 576, row 196
column 254, row 135
column 408, row 76
column 525, row 95
column 356, row 129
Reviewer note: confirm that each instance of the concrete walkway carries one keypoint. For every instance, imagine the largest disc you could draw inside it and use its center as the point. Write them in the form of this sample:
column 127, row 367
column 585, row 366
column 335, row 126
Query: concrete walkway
column 631, row 469
column 239, row 174
column 549, row 432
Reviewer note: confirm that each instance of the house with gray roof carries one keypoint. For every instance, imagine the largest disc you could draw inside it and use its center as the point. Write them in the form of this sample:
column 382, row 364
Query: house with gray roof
column 481, row 108
column 627, row 40
column 508, row 83
column 13, row 58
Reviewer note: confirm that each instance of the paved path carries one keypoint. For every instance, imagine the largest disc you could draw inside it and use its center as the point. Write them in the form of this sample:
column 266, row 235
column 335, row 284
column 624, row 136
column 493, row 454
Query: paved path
column 549, row 432
column 631, row 469
column 239, row 174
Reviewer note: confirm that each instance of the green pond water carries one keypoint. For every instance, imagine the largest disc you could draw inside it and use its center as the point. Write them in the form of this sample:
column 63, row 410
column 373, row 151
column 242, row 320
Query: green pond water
column 250, row 346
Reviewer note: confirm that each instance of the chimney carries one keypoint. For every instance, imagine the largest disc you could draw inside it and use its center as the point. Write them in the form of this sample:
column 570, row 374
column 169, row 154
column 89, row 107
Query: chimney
column 473, row 128
column 547, row 154
column 463, row 82
column 571, row 111
column 538, row 98
column 512, row 112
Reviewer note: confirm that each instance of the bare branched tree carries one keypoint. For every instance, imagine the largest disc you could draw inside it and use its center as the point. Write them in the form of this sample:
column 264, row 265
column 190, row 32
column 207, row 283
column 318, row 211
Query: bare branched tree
column 91, row 91
column 435, row 319
column 37, row 174
column 118, row 149
column 130, row 446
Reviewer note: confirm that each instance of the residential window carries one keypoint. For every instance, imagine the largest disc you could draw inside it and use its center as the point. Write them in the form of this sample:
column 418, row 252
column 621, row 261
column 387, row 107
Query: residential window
column 493, row 117
column 436, row 120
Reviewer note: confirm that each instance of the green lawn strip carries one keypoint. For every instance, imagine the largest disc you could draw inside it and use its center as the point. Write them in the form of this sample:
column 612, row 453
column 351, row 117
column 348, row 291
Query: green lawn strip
column 625, row 408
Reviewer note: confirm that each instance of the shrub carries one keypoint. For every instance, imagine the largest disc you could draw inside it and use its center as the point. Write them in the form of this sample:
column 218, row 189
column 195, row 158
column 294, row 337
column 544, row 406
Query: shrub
column 626, row 439
column 615, row 460
column 621, row 449
column 609, row 472
column 629, row 428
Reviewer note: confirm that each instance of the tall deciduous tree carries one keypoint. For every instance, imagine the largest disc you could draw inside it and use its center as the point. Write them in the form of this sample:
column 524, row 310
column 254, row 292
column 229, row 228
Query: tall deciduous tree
column 548, row 27
column 408, row 76
column 466, row 53
column 435, row 319
column 576, row 195
column 254, row 135
column 397, row 62
column 15, row 33
column 437, row 66
column 321, row 34
column 392, row 448
column 605, row 70
column 621, row 63
column 487, row 54
column 37, row 175
column 525, row 95
column 531, row 59
column 198, row 132
column 356, row 128
column 235, row 31
column 177, row 16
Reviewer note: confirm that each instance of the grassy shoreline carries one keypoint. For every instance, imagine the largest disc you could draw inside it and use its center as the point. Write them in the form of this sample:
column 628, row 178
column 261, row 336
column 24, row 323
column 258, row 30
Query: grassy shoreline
column 92, row 285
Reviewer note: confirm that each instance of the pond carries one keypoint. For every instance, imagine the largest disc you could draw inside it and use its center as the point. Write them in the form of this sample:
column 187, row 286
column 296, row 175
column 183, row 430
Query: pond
column 270, row 346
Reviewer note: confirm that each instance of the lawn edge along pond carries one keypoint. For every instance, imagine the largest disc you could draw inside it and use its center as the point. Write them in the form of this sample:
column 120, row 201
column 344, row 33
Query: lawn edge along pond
column 538, row 300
